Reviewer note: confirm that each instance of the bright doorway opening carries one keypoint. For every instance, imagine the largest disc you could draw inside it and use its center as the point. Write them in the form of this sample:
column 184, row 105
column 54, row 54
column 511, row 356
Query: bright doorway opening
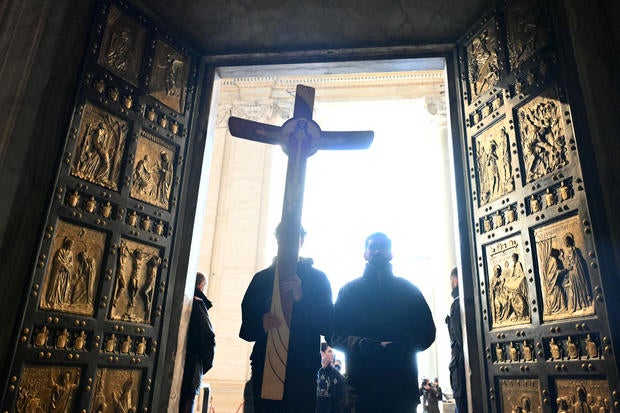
column 400, row 186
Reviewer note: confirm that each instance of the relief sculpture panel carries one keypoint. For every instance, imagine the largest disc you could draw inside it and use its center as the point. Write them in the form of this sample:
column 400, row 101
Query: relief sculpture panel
column 122, row 46
column 507, row 284
column 586, row 395
column 563, row 271
column 169, row 76
column 493, row 165
column 73, row 268
column 483, row 66
column 153, row 173
column 542, row 136
column 136, row 279
column 527, row 30
column 116, row 391
column 520, row 395
column 100, row 147
column 47, row 389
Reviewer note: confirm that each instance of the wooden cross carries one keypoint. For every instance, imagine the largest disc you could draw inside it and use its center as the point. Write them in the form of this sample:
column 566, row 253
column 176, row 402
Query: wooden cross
column 299, row 137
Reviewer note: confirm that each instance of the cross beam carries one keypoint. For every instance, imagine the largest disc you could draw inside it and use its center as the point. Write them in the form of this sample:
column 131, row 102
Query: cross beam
column 300, row 137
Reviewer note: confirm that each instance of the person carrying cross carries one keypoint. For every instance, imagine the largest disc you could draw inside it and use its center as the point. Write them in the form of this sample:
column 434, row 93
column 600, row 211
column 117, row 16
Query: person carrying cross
column 311, row 317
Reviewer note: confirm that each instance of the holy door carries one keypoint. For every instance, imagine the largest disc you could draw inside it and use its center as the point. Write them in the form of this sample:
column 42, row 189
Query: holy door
column 540, row 293
column 97, row 307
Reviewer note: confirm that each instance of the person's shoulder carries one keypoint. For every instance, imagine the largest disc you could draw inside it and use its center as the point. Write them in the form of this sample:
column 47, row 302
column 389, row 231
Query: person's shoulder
column 306, row 265
column 405, row 284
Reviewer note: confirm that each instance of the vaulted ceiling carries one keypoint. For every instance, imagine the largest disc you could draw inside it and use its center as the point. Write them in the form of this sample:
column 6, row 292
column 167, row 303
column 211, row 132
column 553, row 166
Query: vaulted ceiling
column 263, row 26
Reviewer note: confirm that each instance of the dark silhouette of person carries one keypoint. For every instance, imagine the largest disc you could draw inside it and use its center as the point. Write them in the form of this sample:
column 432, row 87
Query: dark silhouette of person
column 457, row 358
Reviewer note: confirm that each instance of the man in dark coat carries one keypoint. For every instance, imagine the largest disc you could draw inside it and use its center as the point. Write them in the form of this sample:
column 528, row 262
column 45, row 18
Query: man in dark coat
column 381, row 321
column 311, row 318
column 200, row 346
column 457, row 361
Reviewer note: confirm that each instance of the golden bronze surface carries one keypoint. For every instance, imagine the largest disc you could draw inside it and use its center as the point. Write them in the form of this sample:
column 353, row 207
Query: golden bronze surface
column 154, row 172
column 582, row 395
column 564, row 274
column 508, row 290
column 47, row 389
column 542, row 135
column 100, row 147
column 136, row 277
column 169, row 76
column 493, row 163
column 482, row 62
column 520, row 395
column 122, row 46
column 72, row 274
column 525, row 33
column 116, row 390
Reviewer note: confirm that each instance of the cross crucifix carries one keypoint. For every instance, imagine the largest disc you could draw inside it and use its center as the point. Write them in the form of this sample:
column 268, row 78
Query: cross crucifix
column 300, row 137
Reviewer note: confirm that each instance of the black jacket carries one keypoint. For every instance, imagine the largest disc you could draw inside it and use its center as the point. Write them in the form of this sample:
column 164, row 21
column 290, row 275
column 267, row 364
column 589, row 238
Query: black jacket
column 457, row 360
column 200, row 345
column 311, row 317
column 370, row 310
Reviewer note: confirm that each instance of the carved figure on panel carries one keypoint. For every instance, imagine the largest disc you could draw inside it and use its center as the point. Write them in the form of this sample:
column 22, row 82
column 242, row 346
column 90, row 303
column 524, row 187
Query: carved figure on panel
column 499, row 353
column 153, row 174
column 164, row 178
column 100, row 148
column 82, row 287
column 571, row 348
column 591, row 348
column 526, row 31
column 62, row 339
column 514, row 353
column 520, row 395
column 117, row 390
column 28, row 401
column 41, row 337
column 543, row 140
column 493, row 164
column 60, row 276
column 136, row 273
column 47, row 389
column 100, row 405
column 123, row 254
column 578, row 292
column 482, row 62
column 123, row 400
column 151, row 277
column 141, row 349
column 122, row 46
column 527, row 351
column 72, row 276
column 139, row 258
column 63, row 387
column 80, row 341
column 554, row 350
column 169, row 76
column 508, row 290
column 126, row 345
column 143, row 179
column 110, row 344
column 565, row 278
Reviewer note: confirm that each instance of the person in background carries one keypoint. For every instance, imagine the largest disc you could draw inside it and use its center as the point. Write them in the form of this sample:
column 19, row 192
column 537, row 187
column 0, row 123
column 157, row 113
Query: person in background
column 200, row 346
column 330, row 387
column 381, row 321
column 457, row 358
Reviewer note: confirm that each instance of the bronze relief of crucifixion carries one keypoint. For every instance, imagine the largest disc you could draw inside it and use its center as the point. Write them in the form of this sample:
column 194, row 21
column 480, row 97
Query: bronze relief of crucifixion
column 300, row 137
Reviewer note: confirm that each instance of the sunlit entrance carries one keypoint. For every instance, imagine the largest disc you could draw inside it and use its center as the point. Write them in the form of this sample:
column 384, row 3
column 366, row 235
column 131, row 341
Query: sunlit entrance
column 400, row 186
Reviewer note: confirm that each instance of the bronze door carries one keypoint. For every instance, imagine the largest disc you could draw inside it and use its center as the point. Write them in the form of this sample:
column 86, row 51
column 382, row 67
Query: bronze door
column 538, row 290
column 97, row 305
